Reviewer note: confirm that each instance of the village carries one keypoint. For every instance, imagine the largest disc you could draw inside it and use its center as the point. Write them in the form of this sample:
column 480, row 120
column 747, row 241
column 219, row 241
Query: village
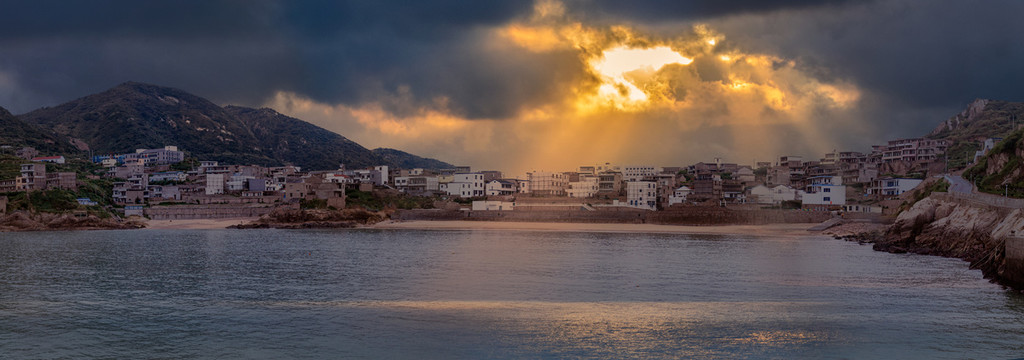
column 163, row 183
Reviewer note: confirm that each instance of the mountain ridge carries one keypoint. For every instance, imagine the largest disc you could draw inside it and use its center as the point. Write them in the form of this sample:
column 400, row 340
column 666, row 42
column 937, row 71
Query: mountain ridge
column 136, row 115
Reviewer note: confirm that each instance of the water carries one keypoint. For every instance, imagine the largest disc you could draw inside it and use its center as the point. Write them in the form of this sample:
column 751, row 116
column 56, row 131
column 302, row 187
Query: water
column 488, row 294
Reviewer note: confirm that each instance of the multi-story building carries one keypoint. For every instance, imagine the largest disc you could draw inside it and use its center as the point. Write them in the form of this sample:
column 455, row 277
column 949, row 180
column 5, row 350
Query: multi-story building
column 642, row 195
column 544, row 183
column 824, row 192
column 891, row 187
column 214, row 184
column 914, row 150
column 679, row 195
column 33, row 177
column 638, row 172
column 584, row 188
column 609, row 182
column 465, row 185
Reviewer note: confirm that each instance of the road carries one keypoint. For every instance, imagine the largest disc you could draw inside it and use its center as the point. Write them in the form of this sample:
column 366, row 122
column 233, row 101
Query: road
column 959, row 184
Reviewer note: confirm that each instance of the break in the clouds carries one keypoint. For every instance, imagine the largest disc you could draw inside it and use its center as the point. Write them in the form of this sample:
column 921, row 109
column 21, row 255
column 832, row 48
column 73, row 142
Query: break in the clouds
column 522, row 84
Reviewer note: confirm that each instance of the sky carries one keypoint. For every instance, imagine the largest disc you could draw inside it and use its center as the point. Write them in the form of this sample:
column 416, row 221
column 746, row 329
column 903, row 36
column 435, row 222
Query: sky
column 546, row 84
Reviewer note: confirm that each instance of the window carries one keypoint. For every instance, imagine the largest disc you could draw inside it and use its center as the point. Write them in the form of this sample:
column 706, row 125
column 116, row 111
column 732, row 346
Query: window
column 828, row 190
column 827, row 198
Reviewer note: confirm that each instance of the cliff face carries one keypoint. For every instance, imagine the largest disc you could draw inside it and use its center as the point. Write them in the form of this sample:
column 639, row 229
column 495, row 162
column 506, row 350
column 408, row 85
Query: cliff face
column 948, row 226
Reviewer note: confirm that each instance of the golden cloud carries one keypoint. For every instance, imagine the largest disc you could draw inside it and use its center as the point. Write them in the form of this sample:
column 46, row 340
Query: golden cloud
column 642, row 98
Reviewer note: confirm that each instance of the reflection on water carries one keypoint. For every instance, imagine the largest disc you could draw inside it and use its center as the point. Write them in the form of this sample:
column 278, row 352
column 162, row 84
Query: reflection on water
column 487, row 294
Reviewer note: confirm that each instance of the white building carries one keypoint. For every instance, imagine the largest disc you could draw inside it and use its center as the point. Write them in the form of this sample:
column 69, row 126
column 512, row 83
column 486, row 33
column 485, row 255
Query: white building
column 679, row 195
column 584, row 188
column 642, row 195
column 888, row 187
column 214, row 184
column 825, row 191
column 638, row 172
column 501, row 187
column 465, row 185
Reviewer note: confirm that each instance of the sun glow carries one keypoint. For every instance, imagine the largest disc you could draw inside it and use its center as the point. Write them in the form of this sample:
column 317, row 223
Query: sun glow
column 615, row 66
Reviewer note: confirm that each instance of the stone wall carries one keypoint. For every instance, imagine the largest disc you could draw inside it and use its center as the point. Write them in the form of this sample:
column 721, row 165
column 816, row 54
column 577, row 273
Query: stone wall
column 711, row 215
column 177, row 212
column 3, row 204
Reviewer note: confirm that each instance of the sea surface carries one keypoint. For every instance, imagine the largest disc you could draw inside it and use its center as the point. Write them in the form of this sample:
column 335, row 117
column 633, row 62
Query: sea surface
column 415, row 294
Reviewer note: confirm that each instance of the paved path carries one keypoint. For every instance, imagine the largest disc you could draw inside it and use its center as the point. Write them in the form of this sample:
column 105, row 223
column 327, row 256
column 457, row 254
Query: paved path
column 959, row 184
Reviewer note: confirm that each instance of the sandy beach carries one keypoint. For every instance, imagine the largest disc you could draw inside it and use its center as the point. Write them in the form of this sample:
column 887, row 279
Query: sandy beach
column 770, row 229
column 195, row 224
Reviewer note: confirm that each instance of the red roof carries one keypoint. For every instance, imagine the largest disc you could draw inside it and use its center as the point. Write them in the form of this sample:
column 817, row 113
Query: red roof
column 47, row 158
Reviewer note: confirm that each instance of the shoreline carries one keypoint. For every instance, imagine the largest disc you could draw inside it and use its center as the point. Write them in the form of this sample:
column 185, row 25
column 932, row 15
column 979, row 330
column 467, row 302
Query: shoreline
column 791, row 229
column 195, row 224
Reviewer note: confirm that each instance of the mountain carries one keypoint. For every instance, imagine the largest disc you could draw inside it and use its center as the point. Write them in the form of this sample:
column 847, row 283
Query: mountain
column 135, row 115
column 17, row 134
column 302, row 143
column 981, row 119
column 406, row 160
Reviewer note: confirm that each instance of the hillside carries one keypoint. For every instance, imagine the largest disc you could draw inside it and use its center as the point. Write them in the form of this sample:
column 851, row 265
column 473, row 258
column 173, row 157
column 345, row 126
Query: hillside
column 302, row 143
column 981, row 120
column 134, row 115
column 406, row 160
column 17, row 134
column 1001, row 170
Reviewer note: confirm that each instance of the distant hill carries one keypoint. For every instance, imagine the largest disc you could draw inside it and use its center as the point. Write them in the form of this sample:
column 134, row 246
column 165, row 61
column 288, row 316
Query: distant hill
column 406, row 160
column 135, row 115
column 18, row 134
column 981, row 120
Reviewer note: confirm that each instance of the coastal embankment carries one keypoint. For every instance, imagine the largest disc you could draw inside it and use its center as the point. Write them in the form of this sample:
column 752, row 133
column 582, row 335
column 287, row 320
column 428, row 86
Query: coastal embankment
column 695, row 215
column 25, row 221
column 986, row 230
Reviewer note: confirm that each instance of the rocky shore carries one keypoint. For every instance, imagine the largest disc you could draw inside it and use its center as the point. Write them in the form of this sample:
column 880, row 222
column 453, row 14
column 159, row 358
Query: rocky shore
column 314, row 219
column 25, row 221
column 943, row 226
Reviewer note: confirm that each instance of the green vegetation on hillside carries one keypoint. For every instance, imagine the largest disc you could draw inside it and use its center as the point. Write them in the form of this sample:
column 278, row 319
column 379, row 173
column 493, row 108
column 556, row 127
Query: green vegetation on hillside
column 1009, row 179
column 996, row 120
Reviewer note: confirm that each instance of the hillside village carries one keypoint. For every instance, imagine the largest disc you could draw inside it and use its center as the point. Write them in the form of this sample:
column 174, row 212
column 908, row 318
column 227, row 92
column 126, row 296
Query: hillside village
column 164, row 183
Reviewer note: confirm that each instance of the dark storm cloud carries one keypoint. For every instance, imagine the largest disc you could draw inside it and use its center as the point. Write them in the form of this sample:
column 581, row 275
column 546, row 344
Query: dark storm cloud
column 918, row 62
column 244, row 51
column 672, row 10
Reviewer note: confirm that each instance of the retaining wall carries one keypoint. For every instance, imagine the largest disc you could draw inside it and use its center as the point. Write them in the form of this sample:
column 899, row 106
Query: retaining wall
column 204, row 212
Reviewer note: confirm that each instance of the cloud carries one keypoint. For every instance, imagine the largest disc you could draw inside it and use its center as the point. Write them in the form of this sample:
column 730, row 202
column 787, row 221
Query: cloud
column 795, row 76
column 631, row 96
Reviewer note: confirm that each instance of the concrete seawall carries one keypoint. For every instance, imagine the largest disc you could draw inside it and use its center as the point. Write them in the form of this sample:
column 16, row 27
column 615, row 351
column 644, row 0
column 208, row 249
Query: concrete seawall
column 690, row 216
column 1013, row 268
column 181, row 212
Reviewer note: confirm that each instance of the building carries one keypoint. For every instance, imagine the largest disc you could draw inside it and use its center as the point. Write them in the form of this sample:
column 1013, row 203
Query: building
column 465, row 185
column 49, row 159
column 914, row 150
column 892, row 187
column 987, row 145
column 638, row 172
column 609, row 183
column 774, row 195
column 149, row 157
column 544, row 183
column 679, row 195
column 501, row 187
column 824, row 192
column 33, row 177
column 214, row 184
column 175, row 176
column 642, row 195
column 585, row 188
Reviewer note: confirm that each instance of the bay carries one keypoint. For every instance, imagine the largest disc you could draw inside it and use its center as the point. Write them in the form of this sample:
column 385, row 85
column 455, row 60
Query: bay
column 372, row 293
